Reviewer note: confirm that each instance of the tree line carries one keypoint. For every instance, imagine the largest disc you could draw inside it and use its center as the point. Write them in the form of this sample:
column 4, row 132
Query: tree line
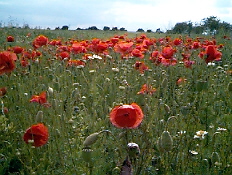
column 210, row 25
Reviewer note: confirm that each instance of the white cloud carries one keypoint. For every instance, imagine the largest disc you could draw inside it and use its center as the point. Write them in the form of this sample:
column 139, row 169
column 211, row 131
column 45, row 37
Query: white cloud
column 131, row 14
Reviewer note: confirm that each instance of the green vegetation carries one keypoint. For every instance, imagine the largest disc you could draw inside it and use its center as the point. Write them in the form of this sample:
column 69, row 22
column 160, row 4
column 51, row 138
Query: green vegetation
column 81, row 99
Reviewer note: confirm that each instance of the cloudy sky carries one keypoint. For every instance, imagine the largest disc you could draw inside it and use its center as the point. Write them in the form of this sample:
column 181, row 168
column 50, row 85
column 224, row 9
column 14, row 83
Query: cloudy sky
column 130, row 14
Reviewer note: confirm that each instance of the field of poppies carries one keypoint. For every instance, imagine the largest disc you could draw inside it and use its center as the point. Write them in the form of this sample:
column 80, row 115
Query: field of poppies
column 97, row 102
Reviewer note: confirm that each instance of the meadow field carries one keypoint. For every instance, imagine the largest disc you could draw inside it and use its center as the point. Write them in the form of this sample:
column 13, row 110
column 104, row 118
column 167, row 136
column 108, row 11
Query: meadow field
column 110, row 102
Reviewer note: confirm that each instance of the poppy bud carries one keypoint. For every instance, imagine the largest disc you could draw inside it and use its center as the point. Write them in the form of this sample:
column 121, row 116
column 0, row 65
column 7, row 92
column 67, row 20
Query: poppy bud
column 215, row 158
column 159, row 146
column 10, row 38
column 116, row 171
column 166, row 141
column 91, row 139
column 87, row 155
column 133, row 150
column 50, row 91
column 205, row 164
column 229, row 87
column 167, row 108
column 39, row 117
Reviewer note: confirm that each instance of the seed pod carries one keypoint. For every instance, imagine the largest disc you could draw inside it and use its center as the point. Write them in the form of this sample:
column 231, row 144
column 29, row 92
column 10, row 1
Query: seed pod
column 229, row 87
column 159, row 145
column 87, row 155
column 205, row 164
column 166, row 141
column 167, row 108
column 133, row 150
column 116, row 171
column 215, row 158
column 91, row 139
column 50, row 91
column 39, row 117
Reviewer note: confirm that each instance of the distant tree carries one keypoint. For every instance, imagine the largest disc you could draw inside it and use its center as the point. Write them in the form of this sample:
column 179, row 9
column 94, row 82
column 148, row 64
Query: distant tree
column 93, row 28
column 225, row 27
column 105, row 28
column 158, row 30
column 140, row 30
column 26, row 26
column 78, row 28
column 57, row 28
column 211, row 23
column 181, row 27
column 114, row 29
column 198, row 29
column 149, row 31
column 122, row 29
column 64, row 27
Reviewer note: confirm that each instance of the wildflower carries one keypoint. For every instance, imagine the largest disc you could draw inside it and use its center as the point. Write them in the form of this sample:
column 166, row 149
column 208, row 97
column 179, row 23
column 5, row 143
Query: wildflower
column 3, row 91
column 41, row 99
column 133, row 150
column 180, row 81
column 7, row 62
column 192, row 152
column 200, row 134
column 39, row 41
column 210, row 54
column 221, row 129
column 124, row 48
column 10, row 38
column 17, row 49
column 166, row 56
column 181, row 133
column 168, row 52
column 140, row 66
column 77, row 63
column 78, row 48
column 126, row 116
column 63, row 55
column 146, row 89
column 177, row 41
column 115, row 69
column 137, row 53
column 37, row 135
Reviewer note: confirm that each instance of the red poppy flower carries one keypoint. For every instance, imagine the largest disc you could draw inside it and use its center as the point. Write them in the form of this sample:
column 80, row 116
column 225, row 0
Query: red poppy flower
column 7, row 62
column 38, row 134
column 63, row 55
column 211, row 54
column 126, row 116
column 140, row 66
column 168, row 52
column 40, row 40
column 180, row 81
column 146, row 89
column 41, row 99
column 137, row 53
column 17, row 49
column 10, row 38
column 124, row 48
column 78, row 48
column 77, row 63
column 2, row 91
column 177, row 41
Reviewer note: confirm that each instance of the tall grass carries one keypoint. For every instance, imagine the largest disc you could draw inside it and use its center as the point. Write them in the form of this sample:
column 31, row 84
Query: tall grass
column 82, row 99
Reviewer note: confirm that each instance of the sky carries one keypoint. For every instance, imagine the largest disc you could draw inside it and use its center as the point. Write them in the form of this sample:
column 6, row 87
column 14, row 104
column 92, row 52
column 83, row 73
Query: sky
column 130, row 14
